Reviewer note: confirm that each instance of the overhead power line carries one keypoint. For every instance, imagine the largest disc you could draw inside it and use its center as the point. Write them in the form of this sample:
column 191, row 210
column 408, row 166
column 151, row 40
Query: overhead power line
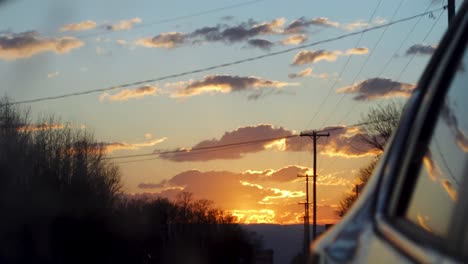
column 330, row 90
column 386, row 65
column 202, row 150
column 183, row 151
column 424, row 39
column 190, row 153
column 372, row 52
column 348, row 113
column 397, row 51
column 55, row 97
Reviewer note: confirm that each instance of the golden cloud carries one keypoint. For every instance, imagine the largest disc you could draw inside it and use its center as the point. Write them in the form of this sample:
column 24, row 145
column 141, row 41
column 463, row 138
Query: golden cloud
column 268, row 196
column 354, row 25
column 436, row 175
column 294, row 39
column 451, row 191
column 279, row 144
column 81, row 26
column 279, row 193
column 124, row 24
column 262, row 216
column 422, row 221
column 347, row 143
column 303, row 73
column 109, row 147
column 310, row 56
column 126, row 94
column 357, row 51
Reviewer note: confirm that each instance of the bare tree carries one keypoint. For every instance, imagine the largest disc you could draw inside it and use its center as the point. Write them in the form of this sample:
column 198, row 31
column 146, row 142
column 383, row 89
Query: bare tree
column 380, row 123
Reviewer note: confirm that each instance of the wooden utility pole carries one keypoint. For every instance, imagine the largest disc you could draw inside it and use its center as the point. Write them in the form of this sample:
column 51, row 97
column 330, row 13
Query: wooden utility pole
column 451, row 10
column 306, row 217
column 314, row 136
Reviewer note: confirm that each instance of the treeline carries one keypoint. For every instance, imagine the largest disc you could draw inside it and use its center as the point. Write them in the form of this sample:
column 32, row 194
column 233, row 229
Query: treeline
column 61, row 201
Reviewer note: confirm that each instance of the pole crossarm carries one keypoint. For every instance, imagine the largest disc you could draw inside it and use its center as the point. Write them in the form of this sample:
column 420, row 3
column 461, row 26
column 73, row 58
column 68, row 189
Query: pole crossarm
column 315, row 134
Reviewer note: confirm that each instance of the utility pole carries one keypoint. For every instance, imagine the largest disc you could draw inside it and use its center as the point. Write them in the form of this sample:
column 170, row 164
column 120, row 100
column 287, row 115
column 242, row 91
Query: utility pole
column 314, row 136
column 451, row 10
column 306, row 218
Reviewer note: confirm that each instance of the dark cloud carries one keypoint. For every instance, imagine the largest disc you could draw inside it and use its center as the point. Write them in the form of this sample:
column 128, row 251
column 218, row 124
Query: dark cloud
column 226, row 84
column 247, row 31
column 300, row 25
column 343, row 141
column 208, row 33
column 260, row 43
column 377, row 88
column 27, row 44
column 239, row 135
column 227, row 18
column 164, row 40
column 420, row 49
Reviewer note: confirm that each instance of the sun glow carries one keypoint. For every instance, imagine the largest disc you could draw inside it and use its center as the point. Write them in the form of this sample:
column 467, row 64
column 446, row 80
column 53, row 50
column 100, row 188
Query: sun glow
column 263, row 216
column 279, row 145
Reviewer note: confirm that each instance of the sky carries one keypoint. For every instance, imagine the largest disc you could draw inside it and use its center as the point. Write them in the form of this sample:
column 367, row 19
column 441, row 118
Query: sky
column 50, row 48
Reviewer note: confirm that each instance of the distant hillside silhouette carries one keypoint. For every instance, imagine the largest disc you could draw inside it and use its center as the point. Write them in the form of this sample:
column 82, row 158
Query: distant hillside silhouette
column 285, row 240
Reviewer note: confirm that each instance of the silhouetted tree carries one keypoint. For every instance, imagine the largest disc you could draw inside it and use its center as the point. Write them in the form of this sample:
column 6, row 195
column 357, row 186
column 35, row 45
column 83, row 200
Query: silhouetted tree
column 379, row 125
column 61, row 202
column 56, row 191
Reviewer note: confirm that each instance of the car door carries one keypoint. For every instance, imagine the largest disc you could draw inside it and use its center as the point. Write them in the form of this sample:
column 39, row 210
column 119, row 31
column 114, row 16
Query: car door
column 415, row 209
column 424, row 213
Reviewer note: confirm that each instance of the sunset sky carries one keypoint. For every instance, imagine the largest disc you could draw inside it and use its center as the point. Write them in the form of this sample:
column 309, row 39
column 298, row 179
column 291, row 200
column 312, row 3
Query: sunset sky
column 50, row 48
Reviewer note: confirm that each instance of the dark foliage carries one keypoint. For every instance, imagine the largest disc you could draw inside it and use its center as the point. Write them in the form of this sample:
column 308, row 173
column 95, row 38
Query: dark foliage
column 61, row 202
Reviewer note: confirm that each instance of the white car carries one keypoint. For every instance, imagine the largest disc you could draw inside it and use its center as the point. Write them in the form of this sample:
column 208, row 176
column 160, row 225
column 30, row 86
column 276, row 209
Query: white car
column 414, row 208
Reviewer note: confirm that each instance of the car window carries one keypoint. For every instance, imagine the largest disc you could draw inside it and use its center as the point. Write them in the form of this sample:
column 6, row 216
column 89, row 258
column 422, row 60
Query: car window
column 435, row 195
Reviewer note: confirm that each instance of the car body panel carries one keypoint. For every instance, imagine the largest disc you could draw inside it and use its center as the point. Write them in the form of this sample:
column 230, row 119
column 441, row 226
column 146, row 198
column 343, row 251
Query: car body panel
column 371, row 232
